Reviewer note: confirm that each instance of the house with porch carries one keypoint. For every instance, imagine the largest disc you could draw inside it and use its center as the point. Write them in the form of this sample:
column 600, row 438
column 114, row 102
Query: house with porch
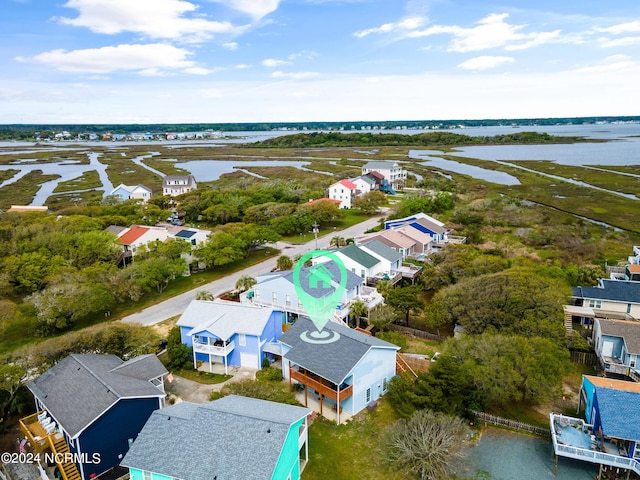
column 276, row 290
column 127, row 192
column 93, row 405
column 393, row 239
column 230, row 333
column 345, row 375
column 423, row 223
column 174, row 185
column 618, row 296
column 231, row 438
column 610, row 433
column 394, row 176
column 617, row 346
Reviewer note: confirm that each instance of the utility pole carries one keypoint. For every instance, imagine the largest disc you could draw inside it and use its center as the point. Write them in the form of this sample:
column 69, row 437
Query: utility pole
column 315, row 232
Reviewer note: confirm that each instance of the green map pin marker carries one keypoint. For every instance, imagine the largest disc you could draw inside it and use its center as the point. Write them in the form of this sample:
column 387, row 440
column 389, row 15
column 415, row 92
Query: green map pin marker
column 317, row 287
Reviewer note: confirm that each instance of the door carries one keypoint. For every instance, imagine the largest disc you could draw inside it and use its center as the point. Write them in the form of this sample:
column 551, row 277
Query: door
column 607, row 348
column 249, row 360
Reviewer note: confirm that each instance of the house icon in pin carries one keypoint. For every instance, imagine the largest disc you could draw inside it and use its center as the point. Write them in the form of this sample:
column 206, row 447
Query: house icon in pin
column 319, row 276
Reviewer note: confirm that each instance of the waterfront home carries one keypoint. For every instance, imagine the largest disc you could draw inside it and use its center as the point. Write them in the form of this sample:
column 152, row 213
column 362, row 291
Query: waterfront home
column 619, row 296
column 231, row 438
column 392, row 172
column 364, row 184
column 174, row 185
column 230, row 333
column 393, row 239
column 127, row 192
column 610, row 435
column 277, row 290
column 347, row 374
column 93, row 405
column 423, row 223
column 617, row 346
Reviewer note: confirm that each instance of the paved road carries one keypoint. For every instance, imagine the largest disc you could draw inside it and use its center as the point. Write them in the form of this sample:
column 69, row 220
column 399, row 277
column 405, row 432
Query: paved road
column 176, row 305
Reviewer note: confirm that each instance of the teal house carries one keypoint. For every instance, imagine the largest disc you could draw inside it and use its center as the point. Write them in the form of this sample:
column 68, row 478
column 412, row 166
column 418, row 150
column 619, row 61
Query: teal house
column 228, row 439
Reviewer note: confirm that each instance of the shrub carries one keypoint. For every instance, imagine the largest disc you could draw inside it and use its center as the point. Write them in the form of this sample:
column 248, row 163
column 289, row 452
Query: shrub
column 395, row 338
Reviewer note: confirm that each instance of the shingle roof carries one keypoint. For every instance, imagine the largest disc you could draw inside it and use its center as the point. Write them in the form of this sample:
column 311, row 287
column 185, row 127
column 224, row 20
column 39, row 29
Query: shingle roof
column 81, row 387
column 224, row 319
column 414, row 234
column 358, row 255
column 613, row 290
column 384, row 251
column 434, row 227
column 381, row 164
column 619, row 412
column 364, row 178
column 116, row 229
column 629, row 330
column 347, row 183
column 333, row 361
column 231, row 438
column 353, row 280
column 397, row 237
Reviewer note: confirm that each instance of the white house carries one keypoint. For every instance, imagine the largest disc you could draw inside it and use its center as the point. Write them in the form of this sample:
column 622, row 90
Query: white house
column 126, row 192
column 174, row 185
column 345, row 191
column 392, row 172
column 364, row 184
column 618, row 296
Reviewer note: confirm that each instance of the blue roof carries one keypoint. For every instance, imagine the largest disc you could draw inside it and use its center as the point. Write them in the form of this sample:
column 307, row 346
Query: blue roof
column 619, row 412
column 185, row 233
column 613, row 290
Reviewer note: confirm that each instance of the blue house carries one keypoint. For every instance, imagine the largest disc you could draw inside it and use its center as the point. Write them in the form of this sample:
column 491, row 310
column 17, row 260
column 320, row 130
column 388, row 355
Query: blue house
column 423, row 223
column 347, row 374
column 230, row 438
column 93, row 405
column 230, row 333
column 610, row 435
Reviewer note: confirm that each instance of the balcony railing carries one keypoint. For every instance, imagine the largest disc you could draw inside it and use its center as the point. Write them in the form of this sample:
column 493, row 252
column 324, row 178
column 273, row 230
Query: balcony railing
column 321, row 385
column 213, row 349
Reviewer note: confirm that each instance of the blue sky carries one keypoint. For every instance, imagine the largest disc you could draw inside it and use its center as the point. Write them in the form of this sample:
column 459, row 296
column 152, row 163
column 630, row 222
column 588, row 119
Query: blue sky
column 169, row 61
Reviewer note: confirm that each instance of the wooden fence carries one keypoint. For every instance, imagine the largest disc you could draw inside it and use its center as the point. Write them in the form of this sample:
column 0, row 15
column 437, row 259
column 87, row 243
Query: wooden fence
column 513, row 424
column 416, row 333
column 416, row 363
column 584, row 358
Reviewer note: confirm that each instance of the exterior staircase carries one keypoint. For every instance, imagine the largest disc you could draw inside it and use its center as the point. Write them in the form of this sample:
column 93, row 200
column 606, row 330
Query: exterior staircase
column 568, row 323
column 63, row 456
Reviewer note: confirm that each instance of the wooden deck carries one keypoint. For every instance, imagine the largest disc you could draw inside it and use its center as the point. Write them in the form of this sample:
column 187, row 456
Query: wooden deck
column 321, row 385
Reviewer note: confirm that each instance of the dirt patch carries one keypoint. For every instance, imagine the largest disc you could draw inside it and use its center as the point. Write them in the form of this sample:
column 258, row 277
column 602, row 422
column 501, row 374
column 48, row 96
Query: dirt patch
column 567, row 403
column 164, row 327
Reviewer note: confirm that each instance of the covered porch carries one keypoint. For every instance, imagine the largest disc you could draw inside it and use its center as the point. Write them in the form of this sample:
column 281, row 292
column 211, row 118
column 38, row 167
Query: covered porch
column 216, row 350
column 320, row 389
column 574, row 438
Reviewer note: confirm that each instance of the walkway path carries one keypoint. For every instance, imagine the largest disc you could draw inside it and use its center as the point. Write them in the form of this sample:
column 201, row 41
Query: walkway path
column 176, row 305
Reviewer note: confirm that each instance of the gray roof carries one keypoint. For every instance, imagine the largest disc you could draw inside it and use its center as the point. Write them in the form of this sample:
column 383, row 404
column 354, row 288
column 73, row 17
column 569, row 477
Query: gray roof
column 227, row 439
column 381, row 164
column 359, row 256
column 613, row 290
column 115, row 229
column 81, row 387
column 353, row 280
column 333, row 361
column 383, row 250
column 628, row 330
column 365, row 179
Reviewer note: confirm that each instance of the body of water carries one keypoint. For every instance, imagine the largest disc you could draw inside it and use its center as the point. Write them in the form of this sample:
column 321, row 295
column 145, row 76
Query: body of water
column 510, row 456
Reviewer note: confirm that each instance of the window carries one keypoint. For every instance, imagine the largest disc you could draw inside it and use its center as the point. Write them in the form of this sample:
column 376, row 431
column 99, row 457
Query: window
column 368, row 395
column 242, row 340
column 274, row 297
column 628, row 308
column 385, row 384
column 147, row 476
column 595, row 303
column 287, row 299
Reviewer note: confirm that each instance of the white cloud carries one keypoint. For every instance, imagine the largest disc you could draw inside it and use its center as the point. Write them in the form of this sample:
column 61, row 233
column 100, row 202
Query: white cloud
column 621, row 28
column 197, row 71
column 485, row 62
column 152, row 18
column 614, row 63
column 257, row 9
column 294, row 75
column 407, row 24
column 148, row 59
column 618, row 42
column 491, row 32
column 242, row 66
column 230, row 45
column 274, row 62
column 303, row 54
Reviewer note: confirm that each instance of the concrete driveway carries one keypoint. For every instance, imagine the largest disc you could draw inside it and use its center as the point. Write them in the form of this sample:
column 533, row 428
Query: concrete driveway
column 177, row 305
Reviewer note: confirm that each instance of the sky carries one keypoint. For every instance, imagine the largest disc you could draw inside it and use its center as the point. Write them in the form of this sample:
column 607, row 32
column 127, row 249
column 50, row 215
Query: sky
column 219, row 61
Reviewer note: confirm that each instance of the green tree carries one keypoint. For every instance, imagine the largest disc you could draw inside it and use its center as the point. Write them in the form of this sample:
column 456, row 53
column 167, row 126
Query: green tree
column 179, row 354
column 370, row 202
column 405, row 300
column 205, row 295
column 426, row 444
column 358, row 309
column 337, row 241
column 382, row 316
column 10, row 382
column 284, row 262
column 245, row 282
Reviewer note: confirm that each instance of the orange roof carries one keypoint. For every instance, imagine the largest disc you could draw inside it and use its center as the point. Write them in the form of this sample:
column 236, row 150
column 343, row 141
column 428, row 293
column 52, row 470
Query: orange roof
column 134, row 233
column 634, row 268
column 615, row 384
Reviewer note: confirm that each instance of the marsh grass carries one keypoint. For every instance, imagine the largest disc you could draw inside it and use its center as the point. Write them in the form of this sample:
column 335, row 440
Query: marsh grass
column 89, row 179
column 23, row 190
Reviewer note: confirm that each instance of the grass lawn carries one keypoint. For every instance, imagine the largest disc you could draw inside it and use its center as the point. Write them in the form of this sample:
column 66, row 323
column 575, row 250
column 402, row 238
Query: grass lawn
column 351, row 451
column 205, row 378
column 352, row 217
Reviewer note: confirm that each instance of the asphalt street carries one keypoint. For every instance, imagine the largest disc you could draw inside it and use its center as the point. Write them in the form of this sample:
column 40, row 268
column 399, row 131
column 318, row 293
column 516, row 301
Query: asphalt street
column 176, row 305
